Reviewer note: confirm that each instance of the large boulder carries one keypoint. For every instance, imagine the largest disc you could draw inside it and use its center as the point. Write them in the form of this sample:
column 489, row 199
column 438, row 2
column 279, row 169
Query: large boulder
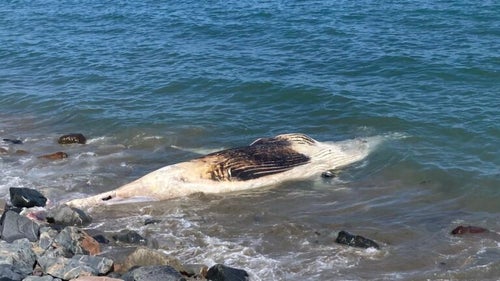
column 154, row 273
column 68, row 216
column 78, row 265
column 143, row 256
column 18, row 256
column 26, row 197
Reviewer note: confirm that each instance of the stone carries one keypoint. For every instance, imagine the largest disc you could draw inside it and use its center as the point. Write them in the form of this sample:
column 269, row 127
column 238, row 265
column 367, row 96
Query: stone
column 195, row 270
column 459, row 230
column 65, row 268
column 101, row 264
column 220, row 272
column 14, row 226
column 154, row 273
column 96, row 278
column 72, row 138
column 143, row 256
column 77, row 241
column 19, row 255
column 26, row 197
column 130, row 237
column 348, row 239
column 55, row 156
column 40, row 278
column 151, row 221
column 9, row 273
column 3, row 150
column 13, row 141
column 68, row 216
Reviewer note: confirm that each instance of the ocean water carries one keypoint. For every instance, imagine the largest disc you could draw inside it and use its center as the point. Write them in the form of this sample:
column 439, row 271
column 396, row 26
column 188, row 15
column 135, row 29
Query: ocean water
column 152, row 83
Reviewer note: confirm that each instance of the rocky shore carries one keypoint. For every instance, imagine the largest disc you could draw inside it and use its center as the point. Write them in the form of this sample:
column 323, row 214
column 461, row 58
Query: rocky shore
column 44, row 245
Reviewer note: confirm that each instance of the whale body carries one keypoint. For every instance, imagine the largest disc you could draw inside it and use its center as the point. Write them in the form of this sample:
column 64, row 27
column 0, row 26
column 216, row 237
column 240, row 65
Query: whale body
column 265, row 162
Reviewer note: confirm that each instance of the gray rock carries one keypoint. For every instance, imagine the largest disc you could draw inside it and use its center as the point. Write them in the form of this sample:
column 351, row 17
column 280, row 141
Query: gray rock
column 70, row 268
column 68, row 216
column 130, row 237
column 8, row 273
column 26, row 197
column 14, row 226
column 220, row 272
column 70, row 238
column 101, row 264
column 154, row 273
column 41, row 278
column 19, row 255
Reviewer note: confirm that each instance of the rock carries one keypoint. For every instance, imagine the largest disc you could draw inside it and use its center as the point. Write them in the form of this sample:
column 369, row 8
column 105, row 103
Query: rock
column 220, row 272
column 130, row 237
column 70, row 268
column 13, row 141
column 195, row 270
column 96, row 278
column 147, row 257
column 459, row 230
column 151, row 221
column 9, row 273
column 355, row 240
column 68, row 216
column 26, row 197
column 41, row 278
column 77, row 241
column 21, row 152
column 14, row 226
column 55, row 156
column 3, row 150
column 18, row 255
column 328, row 174
column 72, row 138
column 154, row 273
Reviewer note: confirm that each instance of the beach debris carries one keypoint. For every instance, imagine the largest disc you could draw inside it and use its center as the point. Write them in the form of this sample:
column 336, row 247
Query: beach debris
column 358, row 241
column 72, row 138
column 459, row 230
column 26, row 197
column 220, row 272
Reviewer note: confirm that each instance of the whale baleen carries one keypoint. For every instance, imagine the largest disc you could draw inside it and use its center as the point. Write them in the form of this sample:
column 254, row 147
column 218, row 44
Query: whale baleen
column 265, row 162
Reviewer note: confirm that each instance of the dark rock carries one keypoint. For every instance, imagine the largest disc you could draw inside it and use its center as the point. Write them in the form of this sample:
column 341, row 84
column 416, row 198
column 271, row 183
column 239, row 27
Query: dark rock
column 195, row 270
column 468, row 230
column 9, row 273
column 55, row 156
column 147, row 257
column 151, row 221
column 68, row 216
column 130, row 237
column 14, row 226
column 220, row 272
column 13, row 141
column 26, row 197
column 355, row 240
column 154, row 273
column 72, row 138
column 101, row 239
column 328, row 174
column 18, row 255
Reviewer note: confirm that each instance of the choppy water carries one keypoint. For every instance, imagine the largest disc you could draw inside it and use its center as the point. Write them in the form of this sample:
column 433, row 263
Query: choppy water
column 139, row 77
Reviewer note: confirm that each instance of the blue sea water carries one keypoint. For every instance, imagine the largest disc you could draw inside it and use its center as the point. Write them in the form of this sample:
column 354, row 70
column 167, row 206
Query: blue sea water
column 142, row 78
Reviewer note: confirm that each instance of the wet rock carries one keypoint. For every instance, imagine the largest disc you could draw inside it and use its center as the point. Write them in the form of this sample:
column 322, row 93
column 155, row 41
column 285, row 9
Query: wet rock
column 72, row 138
column 13, row 141
column 220, row 272
column 70, row 268
column 147, row 257
column 21, row 152
column 151, row 221
column 459, row 230
column 154, row 273
column 3, row 151
column 18, row 255
column 77, row 241
column 26, row 197
column 68, row 216
column 195, row 270
column 14, row 226
column 130, row 237
column 55, row 156
column 355, row 240
column 328, row 174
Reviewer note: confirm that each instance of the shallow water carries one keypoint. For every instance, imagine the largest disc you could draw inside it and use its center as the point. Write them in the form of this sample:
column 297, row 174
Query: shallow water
column 153, row 84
